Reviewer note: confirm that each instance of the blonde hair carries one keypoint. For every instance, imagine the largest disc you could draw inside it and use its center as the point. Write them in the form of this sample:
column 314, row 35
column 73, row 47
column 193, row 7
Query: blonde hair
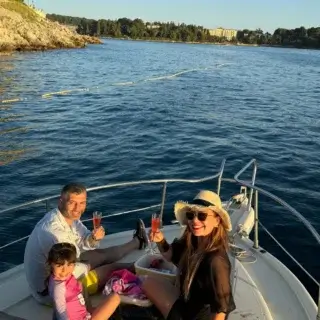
column 192, row 257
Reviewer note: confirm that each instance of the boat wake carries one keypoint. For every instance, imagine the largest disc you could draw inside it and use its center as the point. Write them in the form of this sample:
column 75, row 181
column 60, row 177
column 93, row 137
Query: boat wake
column 126, row 83
column 170, row 76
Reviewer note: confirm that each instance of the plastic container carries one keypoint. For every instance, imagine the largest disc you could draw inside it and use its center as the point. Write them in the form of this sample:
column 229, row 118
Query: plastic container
column 145, row 303
column 142, row 267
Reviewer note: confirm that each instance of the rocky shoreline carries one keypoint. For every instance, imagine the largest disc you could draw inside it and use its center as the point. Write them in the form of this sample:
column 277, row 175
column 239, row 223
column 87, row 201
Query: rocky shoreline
column 22, row 29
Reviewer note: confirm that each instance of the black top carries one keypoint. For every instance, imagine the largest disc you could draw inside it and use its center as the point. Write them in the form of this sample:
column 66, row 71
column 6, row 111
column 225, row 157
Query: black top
column 210, row 291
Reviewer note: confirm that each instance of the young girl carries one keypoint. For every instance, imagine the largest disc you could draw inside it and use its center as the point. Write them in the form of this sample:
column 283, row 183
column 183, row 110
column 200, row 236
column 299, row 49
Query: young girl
column 66, row 291
column 204, row 291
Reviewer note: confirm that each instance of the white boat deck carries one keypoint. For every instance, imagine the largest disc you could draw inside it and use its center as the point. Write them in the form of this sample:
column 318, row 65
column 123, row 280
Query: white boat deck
column 264, row 289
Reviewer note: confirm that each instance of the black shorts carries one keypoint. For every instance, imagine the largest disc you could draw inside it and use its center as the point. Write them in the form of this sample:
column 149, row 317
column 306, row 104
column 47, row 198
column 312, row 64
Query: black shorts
column 176, row 312
column 185, row 311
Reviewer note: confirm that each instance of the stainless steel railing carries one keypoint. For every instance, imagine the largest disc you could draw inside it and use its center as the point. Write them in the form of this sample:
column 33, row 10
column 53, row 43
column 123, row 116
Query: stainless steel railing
column 254, row 190
column 123, row 184
column 164, row 182
column 297, row 214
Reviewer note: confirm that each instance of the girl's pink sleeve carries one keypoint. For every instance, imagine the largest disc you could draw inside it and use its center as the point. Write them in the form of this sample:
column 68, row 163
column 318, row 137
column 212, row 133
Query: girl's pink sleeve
column 59, row 300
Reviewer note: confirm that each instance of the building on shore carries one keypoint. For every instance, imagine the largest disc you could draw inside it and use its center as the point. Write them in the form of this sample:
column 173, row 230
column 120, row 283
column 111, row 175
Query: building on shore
column 229, row 34
column 152, row 26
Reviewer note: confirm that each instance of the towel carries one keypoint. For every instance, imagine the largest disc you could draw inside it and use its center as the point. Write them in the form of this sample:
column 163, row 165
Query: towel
column 126, row 283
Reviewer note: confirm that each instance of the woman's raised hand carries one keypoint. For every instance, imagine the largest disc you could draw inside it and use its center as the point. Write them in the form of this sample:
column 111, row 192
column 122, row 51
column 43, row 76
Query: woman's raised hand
column 156, row 236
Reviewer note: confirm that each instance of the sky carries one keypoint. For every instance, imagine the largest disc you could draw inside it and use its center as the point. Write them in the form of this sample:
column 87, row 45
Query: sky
column 237, row 14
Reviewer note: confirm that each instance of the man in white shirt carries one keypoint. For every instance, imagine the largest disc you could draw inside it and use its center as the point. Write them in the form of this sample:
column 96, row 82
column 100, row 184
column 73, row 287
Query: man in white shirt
column 63, row 225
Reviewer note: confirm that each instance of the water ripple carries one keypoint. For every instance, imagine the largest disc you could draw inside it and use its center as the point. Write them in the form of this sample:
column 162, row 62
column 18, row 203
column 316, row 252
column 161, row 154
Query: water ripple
column 135, row 110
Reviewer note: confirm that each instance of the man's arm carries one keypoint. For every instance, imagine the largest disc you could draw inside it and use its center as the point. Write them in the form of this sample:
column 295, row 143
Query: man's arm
column 86, row 239
column 91, row 241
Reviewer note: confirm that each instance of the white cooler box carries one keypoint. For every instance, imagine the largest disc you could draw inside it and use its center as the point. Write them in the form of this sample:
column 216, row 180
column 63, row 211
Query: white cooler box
column 142, row 267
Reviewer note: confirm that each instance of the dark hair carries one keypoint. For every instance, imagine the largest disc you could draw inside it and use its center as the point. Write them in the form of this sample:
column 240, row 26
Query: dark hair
column 73, row 188
column 62, row 252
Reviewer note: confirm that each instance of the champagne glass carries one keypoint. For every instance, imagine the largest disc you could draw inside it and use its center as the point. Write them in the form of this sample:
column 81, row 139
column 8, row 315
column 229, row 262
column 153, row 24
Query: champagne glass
column 97, row 215
column 155, row 225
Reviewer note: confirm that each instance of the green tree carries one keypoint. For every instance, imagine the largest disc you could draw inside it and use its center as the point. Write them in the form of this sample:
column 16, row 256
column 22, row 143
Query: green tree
column 299, row 37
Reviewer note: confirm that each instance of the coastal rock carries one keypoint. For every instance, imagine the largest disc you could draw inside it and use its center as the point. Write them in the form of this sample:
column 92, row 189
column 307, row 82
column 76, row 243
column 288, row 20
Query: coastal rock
column 22, row 29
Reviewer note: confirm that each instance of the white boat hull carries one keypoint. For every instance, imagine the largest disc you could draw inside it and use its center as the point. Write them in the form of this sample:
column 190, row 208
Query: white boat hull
column 263, row 287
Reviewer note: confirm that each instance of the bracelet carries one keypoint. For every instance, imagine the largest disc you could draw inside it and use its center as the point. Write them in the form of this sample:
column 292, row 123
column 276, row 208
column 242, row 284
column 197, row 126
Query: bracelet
column 92, row 240
column 93, row 237
column 163, row 245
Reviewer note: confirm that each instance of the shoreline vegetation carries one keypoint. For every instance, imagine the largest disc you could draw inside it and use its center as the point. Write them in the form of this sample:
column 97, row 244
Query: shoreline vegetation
column 22, row 29
column 227, row 43
column 137, row 29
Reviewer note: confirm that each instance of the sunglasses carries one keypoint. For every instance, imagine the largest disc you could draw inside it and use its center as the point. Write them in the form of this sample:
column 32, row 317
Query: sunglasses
column 201, row 215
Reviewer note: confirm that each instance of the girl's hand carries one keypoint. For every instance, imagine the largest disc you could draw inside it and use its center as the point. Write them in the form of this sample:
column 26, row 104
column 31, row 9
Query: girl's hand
column 156, row 236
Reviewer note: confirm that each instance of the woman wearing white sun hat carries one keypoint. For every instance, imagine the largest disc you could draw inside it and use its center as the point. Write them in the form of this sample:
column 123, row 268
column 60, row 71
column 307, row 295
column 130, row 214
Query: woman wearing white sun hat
column 204, row 289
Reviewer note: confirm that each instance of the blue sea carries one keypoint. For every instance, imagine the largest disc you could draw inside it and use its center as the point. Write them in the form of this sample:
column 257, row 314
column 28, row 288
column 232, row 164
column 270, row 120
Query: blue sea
column 130, row 110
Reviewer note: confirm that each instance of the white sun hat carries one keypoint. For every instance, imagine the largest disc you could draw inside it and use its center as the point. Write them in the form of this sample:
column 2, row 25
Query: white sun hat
column 204, row 199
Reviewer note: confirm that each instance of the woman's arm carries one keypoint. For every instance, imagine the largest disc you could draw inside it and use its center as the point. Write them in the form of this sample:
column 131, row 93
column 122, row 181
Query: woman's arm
column 220, row 287
column 165, row 249
column 171, row 252
column 219, row 316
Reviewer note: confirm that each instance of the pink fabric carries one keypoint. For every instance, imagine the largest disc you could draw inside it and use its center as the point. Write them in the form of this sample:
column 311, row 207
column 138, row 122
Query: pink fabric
column 124, row 282
column 69, row 303
column 125, row 275
column 156, row 263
